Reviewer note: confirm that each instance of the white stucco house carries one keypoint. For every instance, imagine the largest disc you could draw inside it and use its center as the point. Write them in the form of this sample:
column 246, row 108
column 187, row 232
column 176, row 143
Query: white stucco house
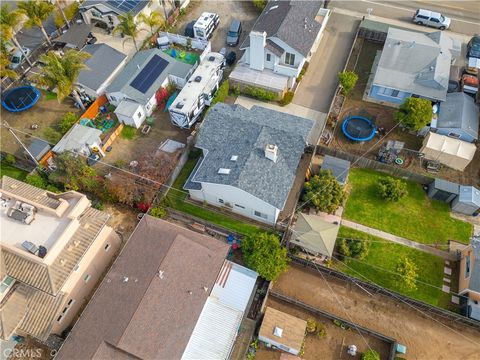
column 106, row 13
column 284, row 37
column 250, row 160
column 134, row 90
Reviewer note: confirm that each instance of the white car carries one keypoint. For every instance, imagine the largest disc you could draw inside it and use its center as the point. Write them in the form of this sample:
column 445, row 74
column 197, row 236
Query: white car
column 432, row 19
column 18, row 57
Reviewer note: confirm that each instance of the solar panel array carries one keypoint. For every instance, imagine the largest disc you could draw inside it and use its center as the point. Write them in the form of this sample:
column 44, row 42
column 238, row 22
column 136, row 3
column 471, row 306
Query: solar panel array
column 149, row 74
column 125, row 5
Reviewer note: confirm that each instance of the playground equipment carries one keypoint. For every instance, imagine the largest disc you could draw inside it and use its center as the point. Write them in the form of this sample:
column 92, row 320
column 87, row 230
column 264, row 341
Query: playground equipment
column 21, row 98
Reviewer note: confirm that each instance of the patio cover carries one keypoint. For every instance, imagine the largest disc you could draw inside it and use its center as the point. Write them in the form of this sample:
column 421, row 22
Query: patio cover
column 453, row 153
column 266, row 78
column 315, row 234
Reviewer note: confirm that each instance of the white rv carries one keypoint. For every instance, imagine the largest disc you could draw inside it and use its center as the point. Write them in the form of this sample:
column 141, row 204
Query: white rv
column 198, row 92
column 205, row 25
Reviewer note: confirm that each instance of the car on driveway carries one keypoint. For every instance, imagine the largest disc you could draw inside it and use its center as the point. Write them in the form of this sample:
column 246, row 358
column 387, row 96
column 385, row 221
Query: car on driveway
column 473, row 47
column 18, row 57
column 432, row 19
column 234, row 32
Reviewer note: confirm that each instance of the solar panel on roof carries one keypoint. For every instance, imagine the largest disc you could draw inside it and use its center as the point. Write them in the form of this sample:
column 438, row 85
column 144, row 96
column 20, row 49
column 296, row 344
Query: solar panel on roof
column 124, row 5
column 149, row 74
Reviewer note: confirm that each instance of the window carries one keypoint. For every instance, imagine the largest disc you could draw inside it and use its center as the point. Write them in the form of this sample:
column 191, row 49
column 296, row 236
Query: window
column 221, row 201
column 269, row 57
column 107, row 247
column 6, row 283
column 59, row 319
column 289, row 58
column 259, row 214
column 139, row 114
column 70, row 302
column 454, row 135
column 435, row 20
column 467, row 266
column 240, row 206
column 389, row 92
column 113, row 98
column 87, row 278
column 76, row 268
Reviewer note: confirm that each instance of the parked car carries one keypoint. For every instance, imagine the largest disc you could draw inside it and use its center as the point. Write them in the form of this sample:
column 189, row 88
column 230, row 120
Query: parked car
column 189, row 29
column 234, row 32
column 473, row 47
column 231, row 58
column 469, row 85
column 432, row 19
column 472, row 66
column 18, row 57
column 93, row 159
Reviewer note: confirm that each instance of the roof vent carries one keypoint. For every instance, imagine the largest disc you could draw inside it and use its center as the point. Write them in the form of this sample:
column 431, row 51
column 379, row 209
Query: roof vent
column 234, row 158
column 278, row 331
column 63, row 262
column 271, row 152
column 198, row 78
column 179, row 105
column 205, row 288
column 224, row 171
column 211, row 58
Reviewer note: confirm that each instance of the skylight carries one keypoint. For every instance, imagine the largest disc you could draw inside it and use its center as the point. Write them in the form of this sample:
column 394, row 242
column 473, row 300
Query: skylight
column 224, row 171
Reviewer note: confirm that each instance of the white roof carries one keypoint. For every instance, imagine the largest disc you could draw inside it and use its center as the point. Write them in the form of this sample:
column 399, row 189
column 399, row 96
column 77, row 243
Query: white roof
column 77, row 138
column 204, row 20
column 201, row 81
column 215, row 332
column 234, row 285
column 127, row 108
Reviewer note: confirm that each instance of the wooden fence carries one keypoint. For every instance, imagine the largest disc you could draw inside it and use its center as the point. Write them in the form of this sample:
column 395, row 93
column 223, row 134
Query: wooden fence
column 94, row 108
column 109, row 140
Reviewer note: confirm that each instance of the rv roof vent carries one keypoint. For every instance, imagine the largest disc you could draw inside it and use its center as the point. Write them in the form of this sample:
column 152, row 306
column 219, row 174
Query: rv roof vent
column 211, row 58
column 224, row 171
column 278, row 331
column 198, row 78
column 179, row 105
column 234, row 158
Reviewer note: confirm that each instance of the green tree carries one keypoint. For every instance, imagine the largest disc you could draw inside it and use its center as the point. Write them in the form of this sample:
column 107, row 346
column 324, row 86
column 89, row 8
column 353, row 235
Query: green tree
column 153, row 20
column 414, row 113
column 392, row 189
column 9, row 24
column 128, row 27
column 408, row 271
column 348, row 80
column 324, row 192
column 158, row 211
column 37, row 181
column 37, row 11
column 371, row 355
column 353, row 248
column 4, row 63
column 263, row 253
column 67, row 122
column 61, row 72
column 65, row 12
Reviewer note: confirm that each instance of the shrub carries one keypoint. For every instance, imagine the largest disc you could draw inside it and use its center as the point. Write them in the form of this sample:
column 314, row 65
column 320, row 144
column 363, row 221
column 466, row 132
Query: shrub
column 67, row 122
column 348, row 80
column 222, row 93
column 324, row 192
column 414, row 113
column 128, row 132
column 97, row 204
column 321, row 330
column 260, row 4
column 10, row 159
column 260, row 93
column 287, row 99
column 158, row 212
column 311, row 325
column 371, row 355
column 353, row 248
column 37, row 181
column 392, row 189
column 408, row 271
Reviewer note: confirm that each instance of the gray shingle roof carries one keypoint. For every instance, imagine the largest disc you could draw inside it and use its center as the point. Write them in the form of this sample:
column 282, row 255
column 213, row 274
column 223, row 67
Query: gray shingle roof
column 76, row 36
column 415, row 63
column 136, row 64
column 101, row 65
column 230, row 130
column 459, row 112
column 286, row 20
column 338, row 167
column 114, row 6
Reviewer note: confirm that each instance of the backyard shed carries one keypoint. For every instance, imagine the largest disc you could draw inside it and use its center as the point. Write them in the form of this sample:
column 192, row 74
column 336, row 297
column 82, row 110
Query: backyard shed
column 453, row 153
column 442, row 190
column 130, row 113
column 80, row 139
column 282, row 331
column 468, row 200
column 38, row 148
column 315, row 235
column 338, row 167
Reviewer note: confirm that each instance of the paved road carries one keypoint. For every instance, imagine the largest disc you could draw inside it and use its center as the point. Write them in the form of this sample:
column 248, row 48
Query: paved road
column 318, row 86
column 465, row 14
column 399, row 240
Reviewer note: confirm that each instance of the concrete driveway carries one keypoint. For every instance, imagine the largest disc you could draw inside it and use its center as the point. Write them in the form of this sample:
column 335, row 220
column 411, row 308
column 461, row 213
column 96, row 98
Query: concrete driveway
column 318, row 86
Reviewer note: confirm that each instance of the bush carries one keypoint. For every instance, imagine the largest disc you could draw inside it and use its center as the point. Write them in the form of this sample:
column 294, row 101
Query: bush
column 158, row 212
column 128, row 132
column 67, row 122
column 321, row 330
column 10, row 159
column 222, row 93
column 348, row 80
column 260, row 93
column 37, row 181
column 392, row 189
column 414, row 113
column 409, row 273
column 311, row 325
column 52, row 135
column 287, row 99
column 97, row 204
column 371, row 355
column 324, row 192
column 353, row 248
column 236, row 90
column 260, row 4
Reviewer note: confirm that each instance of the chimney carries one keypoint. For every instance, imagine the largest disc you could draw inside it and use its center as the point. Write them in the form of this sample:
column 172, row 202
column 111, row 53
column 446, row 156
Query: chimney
column 258, row 41
column 271, row 152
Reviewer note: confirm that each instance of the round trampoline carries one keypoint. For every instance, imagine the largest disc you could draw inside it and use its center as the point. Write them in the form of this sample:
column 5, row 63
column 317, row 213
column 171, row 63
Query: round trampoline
column 358, row 128
column 20, row 98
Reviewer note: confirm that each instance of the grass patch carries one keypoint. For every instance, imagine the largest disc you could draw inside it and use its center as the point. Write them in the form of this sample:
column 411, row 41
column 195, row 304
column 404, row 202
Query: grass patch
column 49, row 95
column 128, row 132
column 382, row 260
column 415, row 217
column 12, row 171
column 176, row 200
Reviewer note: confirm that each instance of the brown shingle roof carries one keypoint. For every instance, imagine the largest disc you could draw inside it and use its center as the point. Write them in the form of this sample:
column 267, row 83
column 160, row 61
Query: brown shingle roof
column 153, row 313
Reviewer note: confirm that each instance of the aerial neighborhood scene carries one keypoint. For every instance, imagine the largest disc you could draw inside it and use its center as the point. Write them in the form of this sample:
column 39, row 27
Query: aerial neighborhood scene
column 256, row 179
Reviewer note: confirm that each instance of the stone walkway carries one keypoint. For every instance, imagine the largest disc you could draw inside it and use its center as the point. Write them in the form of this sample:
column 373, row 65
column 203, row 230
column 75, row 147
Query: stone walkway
column 399, row 240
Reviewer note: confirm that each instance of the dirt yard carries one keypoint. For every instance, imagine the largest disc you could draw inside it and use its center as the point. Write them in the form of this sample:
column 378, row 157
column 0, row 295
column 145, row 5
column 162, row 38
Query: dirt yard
column 333, row 346
column 424, row 337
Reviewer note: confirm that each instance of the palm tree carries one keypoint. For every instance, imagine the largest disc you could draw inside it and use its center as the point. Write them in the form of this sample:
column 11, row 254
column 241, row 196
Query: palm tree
column 128, row 27
column 9, row 21
column 60, row 4
column 37, row 11
column 4, row 62
column 153, row 20
column 62, row 72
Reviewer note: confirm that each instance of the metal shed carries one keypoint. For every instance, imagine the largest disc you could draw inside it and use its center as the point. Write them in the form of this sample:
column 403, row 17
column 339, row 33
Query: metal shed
column 38, row 148
column 468, row 200
column 338, row 167
column 443, row 190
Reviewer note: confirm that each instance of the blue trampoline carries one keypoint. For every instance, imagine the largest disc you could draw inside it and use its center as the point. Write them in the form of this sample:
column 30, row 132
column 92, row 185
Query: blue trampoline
column 20, row 98
column 358, row 128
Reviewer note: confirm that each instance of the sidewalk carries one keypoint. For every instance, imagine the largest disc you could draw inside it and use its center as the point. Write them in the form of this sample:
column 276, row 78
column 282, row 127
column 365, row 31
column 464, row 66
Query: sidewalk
column 399, row 240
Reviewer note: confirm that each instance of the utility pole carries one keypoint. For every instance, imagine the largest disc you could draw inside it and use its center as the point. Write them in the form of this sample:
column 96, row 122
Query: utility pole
column 21, row 143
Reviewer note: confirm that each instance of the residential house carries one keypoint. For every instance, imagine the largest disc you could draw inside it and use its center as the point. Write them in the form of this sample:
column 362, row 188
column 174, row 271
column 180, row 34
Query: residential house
column 458, row 118
column 135, row 88
column 250, row 160
column 169, row 295
column 76, row 37
column 282, row 40
column 339, row 168
column 412, row 64
column 80, row 139
column 106, row 13
column 282, row 331
column 469, row 282
column 53, row 252
column 105, row 63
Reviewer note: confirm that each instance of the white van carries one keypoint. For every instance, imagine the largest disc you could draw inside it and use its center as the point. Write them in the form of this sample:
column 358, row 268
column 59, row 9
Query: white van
column 205, row 25
column 431, row 18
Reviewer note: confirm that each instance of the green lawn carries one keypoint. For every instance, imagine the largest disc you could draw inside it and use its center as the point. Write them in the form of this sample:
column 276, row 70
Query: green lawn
column 13, row 172
column 415, row 217
column 385, row 255
column 176, row 200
